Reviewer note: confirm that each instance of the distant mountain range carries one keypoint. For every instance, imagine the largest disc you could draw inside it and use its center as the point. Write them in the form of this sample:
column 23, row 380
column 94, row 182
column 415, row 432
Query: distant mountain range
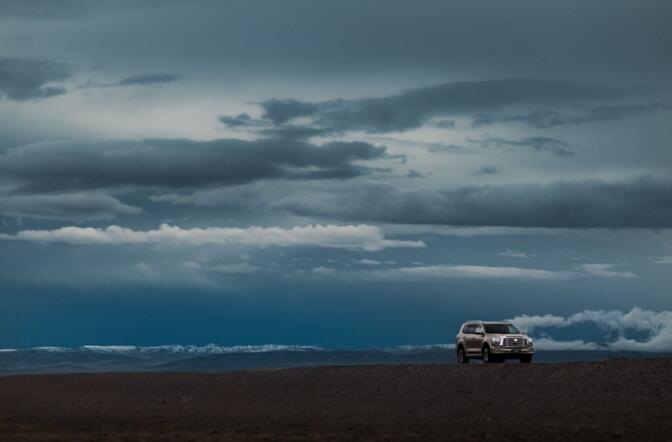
column 94, row 358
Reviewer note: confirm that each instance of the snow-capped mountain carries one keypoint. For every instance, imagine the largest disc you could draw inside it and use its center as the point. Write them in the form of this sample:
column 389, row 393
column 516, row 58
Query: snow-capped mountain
column 212, row 349
column 212, row 357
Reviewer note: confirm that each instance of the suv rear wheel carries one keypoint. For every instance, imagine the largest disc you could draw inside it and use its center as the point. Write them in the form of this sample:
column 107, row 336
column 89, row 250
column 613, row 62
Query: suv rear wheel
column 461, row 356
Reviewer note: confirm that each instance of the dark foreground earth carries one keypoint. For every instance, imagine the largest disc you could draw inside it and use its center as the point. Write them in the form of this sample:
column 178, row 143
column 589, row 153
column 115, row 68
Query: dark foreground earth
column 609, row 400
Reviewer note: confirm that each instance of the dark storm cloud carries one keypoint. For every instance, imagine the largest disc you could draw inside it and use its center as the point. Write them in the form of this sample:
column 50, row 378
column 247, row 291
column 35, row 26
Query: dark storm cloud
column 589, row 114
column 518, row 37
column 139, row 80
column 487, row 170
column 445, row 124
column 282, row 111
column 304, row 40
column 241, row 120
column 546, row 144
column 148, row 79
column 642, row 203
column 24, row 79
column 244, row 121
column 68, row 206
column 177, row 163
column 485, row 101
column 292, row 132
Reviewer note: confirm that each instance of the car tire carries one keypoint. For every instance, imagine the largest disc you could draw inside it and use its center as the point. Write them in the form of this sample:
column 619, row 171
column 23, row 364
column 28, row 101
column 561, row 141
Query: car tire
column 526, row 359
column 461, row 356
column 487, row 356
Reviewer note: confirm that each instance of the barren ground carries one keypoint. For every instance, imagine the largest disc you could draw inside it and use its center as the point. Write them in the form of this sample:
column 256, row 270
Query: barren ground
column 611, row 400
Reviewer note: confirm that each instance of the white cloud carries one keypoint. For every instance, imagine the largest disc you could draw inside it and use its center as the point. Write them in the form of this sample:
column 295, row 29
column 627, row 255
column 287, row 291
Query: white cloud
column 368, row 262
column 238, row 268
column 356, row 237
column 424, row 273
column 143, row 267
column 513, row 254
column 548, row 344
column 372, row 262
column 445, row 272
column 605, row 270
column 439, row 272
column 529, row 323
column 435, row 273
column 663, row 260
column 657, row 324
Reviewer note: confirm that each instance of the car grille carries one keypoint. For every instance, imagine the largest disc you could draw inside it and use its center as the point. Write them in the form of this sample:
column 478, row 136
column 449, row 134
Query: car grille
column 515, row 342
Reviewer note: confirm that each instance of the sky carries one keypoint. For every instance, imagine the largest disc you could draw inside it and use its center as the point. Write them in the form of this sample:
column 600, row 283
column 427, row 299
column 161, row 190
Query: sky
column 335, row 173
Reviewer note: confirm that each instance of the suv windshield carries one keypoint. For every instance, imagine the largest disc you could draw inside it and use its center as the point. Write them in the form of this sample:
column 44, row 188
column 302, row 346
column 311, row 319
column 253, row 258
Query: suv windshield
column 500, row 328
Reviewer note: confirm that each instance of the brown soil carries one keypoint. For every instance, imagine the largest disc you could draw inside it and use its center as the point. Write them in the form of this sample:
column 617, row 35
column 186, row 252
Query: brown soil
column 612, row 400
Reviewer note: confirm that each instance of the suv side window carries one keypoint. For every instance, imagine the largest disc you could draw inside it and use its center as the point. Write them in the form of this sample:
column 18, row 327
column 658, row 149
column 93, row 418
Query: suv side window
column 478, row 329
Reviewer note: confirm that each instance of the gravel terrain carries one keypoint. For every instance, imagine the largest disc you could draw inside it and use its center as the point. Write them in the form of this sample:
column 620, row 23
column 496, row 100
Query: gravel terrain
column 610, row 400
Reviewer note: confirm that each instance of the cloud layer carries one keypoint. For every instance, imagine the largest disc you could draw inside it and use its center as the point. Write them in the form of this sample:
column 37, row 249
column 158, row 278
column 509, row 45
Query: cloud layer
column 24, row 79
column 52, row 166
column 149, row 79
column 140, row 80
column 606, row 270
column 614, row 322
column 67, row 206
column 549, row 102
column 442, row 272
column 353, row 237
column 641, row 203
column 542, row 144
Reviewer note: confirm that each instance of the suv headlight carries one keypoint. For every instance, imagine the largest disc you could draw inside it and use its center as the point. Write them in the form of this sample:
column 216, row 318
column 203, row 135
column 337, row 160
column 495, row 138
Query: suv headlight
column 496, row 340
column 530, row 342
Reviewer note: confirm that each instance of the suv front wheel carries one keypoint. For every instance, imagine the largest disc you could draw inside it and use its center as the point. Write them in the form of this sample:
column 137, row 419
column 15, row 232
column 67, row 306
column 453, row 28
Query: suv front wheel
column 486, row 355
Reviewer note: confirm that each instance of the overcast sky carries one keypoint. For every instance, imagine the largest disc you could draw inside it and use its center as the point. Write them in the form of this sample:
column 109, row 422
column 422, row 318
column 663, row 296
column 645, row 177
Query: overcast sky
column 336, row 173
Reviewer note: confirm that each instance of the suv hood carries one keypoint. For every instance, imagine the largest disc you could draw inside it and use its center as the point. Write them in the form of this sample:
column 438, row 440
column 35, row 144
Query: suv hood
column 509, row 335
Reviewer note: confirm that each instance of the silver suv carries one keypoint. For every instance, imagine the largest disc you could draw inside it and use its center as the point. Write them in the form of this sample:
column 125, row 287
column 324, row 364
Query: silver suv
column 492, row 342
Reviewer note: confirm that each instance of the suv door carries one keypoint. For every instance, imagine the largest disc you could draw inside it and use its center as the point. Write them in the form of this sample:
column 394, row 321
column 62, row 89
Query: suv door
column 468, row 333
column 477, row 338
